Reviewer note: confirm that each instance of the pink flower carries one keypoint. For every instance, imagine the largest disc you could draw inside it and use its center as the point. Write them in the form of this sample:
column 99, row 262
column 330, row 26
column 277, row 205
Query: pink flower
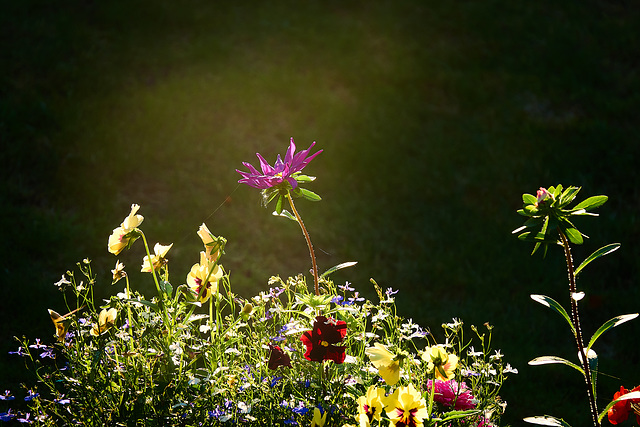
column 453, row 394
column 280, row 172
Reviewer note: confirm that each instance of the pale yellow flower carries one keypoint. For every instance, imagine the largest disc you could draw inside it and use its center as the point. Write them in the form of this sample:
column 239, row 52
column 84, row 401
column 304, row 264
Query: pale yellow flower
column 406, row 407
column 121, row 237
column 440, row 362
column 157, row 260
column 318, row 420
column 370, row 406
column 201, row 282
column 106, row 319
column 118, row 272
column 386, row 362
column 212, row 244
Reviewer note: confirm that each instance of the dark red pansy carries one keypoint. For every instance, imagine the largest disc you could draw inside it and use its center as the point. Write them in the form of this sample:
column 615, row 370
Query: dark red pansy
column 322, row 340
column 277, row 357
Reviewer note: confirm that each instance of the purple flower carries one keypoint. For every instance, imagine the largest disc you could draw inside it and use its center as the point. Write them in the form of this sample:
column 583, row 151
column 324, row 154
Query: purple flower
column 48, row 353
column 37, row 344
column 20, row 352
column 346, row 287
column 7, row 395
column 6, row 416
column 61, row 400
column 280, row 172
column 31, row 396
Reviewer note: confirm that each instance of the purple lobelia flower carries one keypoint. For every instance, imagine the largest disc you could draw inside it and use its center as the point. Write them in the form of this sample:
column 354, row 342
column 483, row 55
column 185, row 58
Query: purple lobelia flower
column 281, row 171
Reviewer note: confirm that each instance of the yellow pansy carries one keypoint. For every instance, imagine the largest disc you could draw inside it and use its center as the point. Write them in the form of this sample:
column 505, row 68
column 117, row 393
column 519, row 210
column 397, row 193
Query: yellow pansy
column 440, row 362
column 212, row 244
column 106, row 319
column 122, row 236
column 157, row 260
column 386, row 362
column 319, row 419
column 406, row 407
column 201, row 282
column 370, row 406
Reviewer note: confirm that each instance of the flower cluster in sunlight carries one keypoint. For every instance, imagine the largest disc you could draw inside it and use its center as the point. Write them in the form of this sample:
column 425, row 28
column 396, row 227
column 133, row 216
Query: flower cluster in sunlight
column 197, row 353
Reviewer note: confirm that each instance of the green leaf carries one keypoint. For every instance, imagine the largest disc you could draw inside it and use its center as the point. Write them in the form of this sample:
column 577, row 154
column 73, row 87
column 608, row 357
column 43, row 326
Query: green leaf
column 555, row 306
column 568, row 196
column 529, row 199
column 632, row 395
column 549, row 360
column 547, row 420
column 574, row 236
column 338, row 267
column 605, row 250
column 618, row 320
column 591, row 203
column 454, row 415
column 166, row 287
column 310, row 195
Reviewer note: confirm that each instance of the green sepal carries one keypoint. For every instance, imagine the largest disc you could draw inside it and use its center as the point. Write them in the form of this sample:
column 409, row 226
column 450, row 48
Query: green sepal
column 547, row 420
column 555, row 306
column 605, row 250
column 286, row 214
column 279, row 204
column 549, row 360
column 303, row 178
column 609, row 324
column 309, row 195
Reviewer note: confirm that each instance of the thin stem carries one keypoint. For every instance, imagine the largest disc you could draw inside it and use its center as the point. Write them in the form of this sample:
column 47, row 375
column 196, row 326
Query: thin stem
column 575, row 318
column 312, row 254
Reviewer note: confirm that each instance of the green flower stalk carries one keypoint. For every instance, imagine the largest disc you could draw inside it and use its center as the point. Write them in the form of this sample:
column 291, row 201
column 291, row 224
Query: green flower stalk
column 280, row 182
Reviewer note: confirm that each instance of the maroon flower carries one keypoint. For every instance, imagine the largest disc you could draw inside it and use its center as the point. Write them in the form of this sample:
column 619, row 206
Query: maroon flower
column 280, row 171
column 322, row 339
column 277, row 357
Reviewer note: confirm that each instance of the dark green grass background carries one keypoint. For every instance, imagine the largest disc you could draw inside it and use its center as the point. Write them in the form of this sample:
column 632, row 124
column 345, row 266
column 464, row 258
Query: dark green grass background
column 434, row 117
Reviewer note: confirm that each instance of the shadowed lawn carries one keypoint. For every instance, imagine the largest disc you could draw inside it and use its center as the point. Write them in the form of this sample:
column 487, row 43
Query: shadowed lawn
column 434, row 119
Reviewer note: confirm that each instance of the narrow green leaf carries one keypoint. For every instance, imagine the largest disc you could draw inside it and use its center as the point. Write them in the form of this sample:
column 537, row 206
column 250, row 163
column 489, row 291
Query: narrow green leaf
column 632, row 395
column 529, row 199
column 549, row 360
column 547, row 420
column 453, row 415
column 304, row 178
column 605, row 250
column 555, row 306
column 618, row 320
column 569, row 195
column 591, row 203
column 338, row 267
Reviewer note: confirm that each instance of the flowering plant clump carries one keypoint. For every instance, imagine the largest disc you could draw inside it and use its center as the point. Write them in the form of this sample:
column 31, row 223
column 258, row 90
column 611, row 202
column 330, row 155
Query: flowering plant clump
column 549, row 212
column 197, row 353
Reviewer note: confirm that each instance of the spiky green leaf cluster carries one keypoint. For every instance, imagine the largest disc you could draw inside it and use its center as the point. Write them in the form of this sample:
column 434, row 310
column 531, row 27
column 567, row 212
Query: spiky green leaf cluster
column 549, row 213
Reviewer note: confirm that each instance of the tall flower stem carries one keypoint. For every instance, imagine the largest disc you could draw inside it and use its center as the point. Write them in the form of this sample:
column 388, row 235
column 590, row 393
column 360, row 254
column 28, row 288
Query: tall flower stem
column 312, row 254
column 575, row 319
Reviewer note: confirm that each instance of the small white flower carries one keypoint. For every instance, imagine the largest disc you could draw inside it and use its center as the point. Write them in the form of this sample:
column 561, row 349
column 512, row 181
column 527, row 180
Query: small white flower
column 232, row 350
column 496, row 356
column 509, row 370
column 473, row 353
column 62, row 282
